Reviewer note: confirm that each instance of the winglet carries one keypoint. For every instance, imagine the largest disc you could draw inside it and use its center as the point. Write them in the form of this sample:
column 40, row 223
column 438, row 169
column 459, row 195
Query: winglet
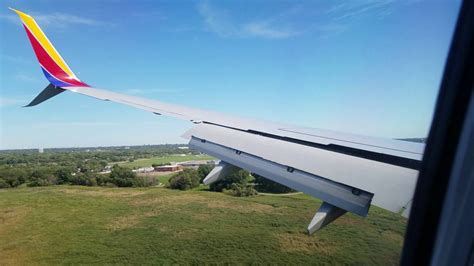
column 16, row 11
column 53, row 65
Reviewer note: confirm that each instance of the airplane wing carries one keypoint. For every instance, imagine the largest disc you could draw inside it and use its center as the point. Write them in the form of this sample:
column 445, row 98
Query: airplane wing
column 347, row 172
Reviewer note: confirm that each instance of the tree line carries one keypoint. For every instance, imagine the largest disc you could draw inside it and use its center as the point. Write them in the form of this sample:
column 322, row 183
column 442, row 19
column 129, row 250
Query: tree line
column 101, row 154
column 85, row 167
column 239, row 183
column 60, row 175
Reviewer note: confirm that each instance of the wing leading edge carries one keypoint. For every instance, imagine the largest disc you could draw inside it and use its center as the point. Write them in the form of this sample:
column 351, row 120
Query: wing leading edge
column 348, row 172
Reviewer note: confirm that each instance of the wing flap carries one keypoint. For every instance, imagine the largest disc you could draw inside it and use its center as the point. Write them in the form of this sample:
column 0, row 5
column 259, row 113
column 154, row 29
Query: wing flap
column 329, row 191
column 392, row 186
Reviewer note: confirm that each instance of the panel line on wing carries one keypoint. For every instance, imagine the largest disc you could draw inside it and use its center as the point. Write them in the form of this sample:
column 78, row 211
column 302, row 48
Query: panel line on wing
column 354, row 142
column 369, row 155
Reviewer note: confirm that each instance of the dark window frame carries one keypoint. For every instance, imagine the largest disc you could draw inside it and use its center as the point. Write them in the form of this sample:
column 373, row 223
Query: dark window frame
column 442, row 144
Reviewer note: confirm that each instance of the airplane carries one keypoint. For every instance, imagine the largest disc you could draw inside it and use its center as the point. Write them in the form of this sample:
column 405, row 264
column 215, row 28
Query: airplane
column 348, row 172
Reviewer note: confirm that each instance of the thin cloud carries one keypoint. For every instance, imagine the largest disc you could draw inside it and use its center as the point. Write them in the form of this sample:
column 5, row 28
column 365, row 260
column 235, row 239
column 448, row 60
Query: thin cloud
column 217, row 20
column 149, row 91
column 56, row 20
column 6, row 102
column 356, row 9
column 181, row 29
column 16, row 59
column 27, row 78
column 296, row 20
column 327, row 30
column 78, row 124
column 149, row 15
column 10, row 18
column 221, row 22
column 265, row 30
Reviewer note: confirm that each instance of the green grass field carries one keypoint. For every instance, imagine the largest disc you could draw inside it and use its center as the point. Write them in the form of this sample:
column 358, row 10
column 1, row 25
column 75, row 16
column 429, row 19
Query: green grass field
column 167, row 159
column 83, row 225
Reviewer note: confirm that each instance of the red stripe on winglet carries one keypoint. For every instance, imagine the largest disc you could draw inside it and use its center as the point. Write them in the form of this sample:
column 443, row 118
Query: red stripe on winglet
column 47, row 62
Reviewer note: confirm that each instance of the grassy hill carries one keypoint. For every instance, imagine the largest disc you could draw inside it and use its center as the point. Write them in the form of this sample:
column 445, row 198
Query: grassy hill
column 73, row 224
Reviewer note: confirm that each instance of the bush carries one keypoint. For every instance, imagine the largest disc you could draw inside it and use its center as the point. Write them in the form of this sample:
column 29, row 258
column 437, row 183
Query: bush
column 237, row 177
column 86, row 179
column 145, row 181
column 122, row 176
column 63, row 175
column 263, row 184
column 12, row 177
column 204, row 170
column 13, row 181
column 78, row 180
column 186, row 179
column 241, row 190
column 103, row 180
column 42, row 177
column 3, row 184
column 41, row 182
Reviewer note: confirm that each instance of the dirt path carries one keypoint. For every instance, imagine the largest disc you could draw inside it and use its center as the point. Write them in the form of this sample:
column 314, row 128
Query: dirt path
column 280, row 195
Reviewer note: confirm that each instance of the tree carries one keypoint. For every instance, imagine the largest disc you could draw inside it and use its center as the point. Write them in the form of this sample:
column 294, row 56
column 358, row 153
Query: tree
column 104, row 180
column 263, row 184
column 3, row 183
column 237, row 177
column 122, row 176
column 42, row 177
column 63, row 175
column 204, row 170
column 84, row 179
column 186, row 179
column 12, row 176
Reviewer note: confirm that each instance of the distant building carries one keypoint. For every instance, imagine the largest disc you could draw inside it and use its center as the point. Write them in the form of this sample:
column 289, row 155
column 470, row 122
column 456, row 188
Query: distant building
column 168, row 168
column 144, row 170
column 40, row 150
column 196, row 164
column 183, row 148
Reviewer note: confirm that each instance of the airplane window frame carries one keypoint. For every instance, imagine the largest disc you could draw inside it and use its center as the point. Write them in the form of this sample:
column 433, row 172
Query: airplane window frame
column 447, row 127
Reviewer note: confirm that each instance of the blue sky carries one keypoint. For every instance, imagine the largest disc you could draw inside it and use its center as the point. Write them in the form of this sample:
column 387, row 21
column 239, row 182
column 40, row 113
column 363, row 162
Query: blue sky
column 366, row 67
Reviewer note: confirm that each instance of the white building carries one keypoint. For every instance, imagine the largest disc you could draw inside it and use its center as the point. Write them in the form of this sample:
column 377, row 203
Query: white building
column 197, row 163
column 144, row 170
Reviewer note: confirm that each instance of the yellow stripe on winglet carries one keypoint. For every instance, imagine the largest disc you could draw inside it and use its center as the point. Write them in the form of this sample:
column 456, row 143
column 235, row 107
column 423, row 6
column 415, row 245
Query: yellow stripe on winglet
column 30, row 23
